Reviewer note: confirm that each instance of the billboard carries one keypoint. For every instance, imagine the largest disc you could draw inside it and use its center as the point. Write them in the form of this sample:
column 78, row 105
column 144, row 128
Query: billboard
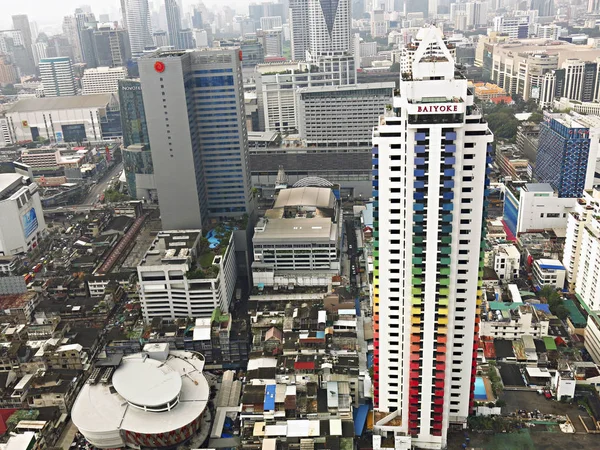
column 30, row 222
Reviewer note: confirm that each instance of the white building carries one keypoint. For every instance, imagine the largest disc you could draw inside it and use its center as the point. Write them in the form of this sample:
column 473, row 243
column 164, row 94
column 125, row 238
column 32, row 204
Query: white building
column 578, row 222
column 516, row 27
column 276, row 85
column 429, row 171
column 39, row 50
column 591, row 335
column 549, row 272
column 507, row 261
column 62, row 119
column 540, row 208
column 513, row 321
column 156, row 396
column 297, row 242
column 173, row 283
column 379, row 24
column 102, row 80
column 588, row 263
column 22, row 222
column 57, row 77
column 341, row 115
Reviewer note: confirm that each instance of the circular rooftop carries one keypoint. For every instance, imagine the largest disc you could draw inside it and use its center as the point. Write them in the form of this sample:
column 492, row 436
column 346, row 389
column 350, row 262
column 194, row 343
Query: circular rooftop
column 147, row 383
column 313, row 182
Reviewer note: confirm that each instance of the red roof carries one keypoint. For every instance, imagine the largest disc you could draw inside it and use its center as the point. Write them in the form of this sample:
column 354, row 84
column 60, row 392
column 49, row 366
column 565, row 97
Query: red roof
column 504, row 99
column 4, row 415
column 308, row 365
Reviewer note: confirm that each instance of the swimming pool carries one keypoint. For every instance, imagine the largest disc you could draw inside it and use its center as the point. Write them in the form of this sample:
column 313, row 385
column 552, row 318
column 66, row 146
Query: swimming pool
column 213, row 240
column 480, row 393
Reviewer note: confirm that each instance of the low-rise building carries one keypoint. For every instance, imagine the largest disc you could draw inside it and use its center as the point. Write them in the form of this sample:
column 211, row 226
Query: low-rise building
column 548, row 272
column 512, row 321
column 540, row 208
column 181, row 277
column 507, row 260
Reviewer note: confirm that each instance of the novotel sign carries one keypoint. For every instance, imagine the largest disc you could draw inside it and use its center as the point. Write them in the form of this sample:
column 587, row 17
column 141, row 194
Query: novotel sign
column 437, row 108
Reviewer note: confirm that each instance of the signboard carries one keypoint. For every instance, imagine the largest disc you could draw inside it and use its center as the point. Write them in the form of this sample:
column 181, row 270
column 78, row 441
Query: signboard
column 535, row 92
column 451, row 108
column 30, row 222
column 59, row 136
column 25, row 124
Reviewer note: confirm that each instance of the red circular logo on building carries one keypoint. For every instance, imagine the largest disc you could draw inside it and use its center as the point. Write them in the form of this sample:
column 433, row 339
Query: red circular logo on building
column 159, row 66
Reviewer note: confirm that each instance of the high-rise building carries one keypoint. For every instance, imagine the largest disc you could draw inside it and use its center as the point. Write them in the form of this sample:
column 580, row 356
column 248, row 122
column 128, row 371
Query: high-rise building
column 112, row 47
column 8, row 71
column 137, row 157
column 137, row 14
column 57, row 77
column 86, row 26
column 39, row 51
column 173, row 23
column 186, row 39
column 102, row 80
column 161, row 38
column 21, row 23
column 69, row 28
column 567, row 152
column 194, row 104
column 299, row 33
column 430, row 154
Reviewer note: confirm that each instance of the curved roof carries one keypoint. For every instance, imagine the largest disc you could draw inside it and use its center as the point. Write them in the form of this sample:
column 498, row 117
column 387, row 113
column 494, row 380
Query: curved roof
column 147, row 382
column 319, row 197
column 101, row 412
column 313, row 181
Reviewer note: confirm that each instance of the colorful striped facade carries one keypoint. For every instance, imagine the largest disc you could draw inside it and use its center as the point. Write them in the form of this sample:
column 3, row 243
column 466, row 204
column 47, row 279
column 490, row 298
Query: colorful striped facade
column 430, row 156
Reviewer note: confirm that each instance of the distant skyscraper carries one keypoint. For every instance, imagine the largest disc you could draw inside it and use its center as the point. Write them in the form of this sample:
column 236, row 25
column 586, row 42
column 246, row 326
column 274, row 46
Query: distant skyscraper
column 57, row 77
column 139, row 28
column 70, row 31
column 186, row 39
column 173, row 23
column 161, row 38
column 199, row 139
column 39, row 51
column 86, row 25
column 112, row 47
column 197, row 19
column 329, row 26
column 430, row 155
column 21, row 23
column 299, row 32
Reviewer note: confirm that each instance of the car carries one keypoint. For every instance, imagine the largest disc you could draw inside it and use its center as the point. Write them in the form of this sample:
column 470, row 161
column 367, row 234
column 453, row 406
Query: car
column 548, row 395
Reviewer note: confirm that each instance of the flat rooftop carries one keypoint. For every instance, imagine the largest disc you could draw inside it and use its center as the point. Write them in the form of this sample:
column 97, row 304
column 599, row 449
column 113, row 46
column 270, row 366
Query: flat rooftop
column 317, row 229
column 16, row 301
column 171, row 247
column 54, row 103
column 8, row 182
column 539, row 187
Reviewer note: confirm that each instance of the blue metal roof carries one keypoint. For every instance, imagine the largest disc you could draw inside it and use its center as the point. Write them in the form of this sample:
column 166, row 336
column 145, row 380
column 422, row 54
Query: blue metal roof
column 269, row 397
column 360, row 419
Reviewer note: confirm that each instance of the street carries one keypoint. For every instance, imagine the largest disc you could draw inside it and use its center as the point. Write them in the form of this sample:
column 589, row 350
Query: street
column 102, row 184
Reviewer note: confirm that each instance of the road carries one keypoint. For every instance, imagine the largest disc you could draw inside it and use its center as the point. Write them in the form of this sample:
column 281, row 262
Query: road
column 102, row 185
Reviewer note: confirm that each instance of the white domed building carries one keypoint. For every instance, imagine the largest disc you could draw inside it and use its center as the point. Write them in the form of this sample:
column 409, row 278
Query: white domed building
column 155, row 398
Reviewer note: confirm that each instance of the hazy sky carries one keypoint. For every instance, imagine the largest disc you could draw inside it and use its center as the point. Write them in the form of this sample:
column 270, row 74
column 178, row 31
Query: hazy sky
column 50, row 13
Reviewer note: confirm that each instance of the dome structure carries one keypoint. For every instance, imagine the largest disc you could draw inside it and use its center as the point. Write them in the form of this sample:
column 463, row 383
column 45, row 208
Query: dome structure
column 313, row 182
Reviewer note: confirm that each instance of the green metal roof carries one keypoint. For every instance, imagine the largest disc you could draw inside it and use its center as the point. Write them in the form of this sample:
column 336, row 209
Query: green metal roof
column 574, row 314
column 503, row 306
column 549, row 343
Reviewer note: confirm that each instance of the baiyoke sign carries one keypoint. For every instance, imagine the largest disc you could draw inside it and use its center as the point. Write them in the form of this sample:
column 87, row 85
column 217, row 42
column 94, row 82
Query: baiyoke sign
column 451, row 108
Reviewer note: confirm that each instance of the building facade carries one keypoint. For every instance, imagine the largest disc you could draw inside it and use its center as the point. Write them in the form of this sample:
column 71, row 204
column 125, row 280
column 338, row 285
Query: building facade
column 22, row 222
column 341, row 115
column 540, row 208
column 568, row 147
column 57, row 77
column 173, row 284
column 194, row 104
column 139, row 27
column 430, row 154
column 102, row 80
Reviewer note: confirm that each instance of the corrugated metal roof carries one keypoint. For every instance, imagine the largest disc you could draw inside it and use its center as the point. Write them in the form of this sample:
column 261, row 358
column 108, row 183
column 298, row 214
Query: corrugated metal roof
column 306, row 196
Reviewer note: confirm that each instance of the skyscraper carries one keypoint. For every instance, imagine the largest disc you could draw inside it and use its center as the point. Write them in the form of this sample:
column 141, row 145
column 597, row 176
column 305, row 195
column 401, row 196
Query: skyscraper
column 137, row 14
column 194, row 105
column 57, row 77
column 137, row 157
column 69, row 28
column 430, row 154
column 567, row 151
column 21, row 23
column 173, row 23
column 112, row 47
column 86, row 26
column 329, row 26
column 299, row 33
